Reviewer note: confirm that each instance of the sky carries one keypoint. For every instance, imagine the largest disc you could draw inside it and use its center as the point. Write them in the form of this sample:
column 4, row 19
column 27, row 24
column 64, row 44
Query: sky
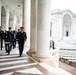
column 64, row 5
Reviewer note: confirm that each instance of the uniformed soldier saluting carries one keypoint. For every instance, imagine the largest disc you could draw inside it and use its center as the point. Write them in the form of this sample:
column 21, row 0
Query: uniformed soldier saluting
column 1, row 37
column 21, row 37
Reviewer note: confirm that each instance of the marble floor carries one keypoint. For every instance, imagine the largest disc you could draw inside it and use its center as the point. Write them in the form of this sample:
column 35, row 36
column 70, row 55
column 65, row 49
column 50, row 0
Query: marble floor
column 68, row 67
column 14, row 65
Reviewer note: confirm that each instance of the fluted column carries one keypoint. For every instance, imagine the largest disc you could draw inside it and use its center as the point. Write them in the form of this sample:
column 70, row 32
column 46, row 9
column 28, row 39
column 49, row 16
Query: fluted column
column 26, row 20
column 43, row 29
column 0, row 15
column 33, row 37
column 0, row 12
column 14, row 21
column 20, row 21
column 7, row 19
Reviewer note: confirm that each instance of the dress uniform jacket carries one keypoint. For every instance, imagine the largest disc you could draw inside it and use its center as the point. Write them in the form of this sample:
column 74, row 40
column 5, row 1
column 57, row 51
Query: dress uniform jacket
column 21, row 36
column 7, row 41
column 6, row 37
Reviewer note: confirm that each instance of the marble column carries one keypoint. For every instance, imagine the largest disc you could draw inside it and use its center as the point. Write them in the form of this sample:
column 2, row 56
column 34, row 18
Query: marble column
column 0, row 16
column 0, row 12
column 7, row 18
column 59, row 28
column 20, row 21
column 14, row 21
column 73, row 30
column 33, row 32
column 43, row 29
column 26, row 20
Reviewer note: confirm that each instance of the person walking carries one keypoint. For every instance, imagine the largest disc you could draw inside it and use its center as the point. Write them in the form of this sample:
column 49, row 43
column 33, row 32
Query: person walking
column 1, row 37
column 14, row 39
column 11, row 37
column 7, row 42
column 21, row 37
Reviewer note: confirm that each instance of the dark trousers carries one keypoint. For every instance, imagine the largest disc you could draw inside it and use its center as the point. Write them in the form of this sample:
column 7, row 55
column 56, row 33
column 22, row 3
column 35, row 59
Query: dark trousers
column 1, row 44
column 14, row 43
column 21, row 47
column 11, row 45
column 7, row 48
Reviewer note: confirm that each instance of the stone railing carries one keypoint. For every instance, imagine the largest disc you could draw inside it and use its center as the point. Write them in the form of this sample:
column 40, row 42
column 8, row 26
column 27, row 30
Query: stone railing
column 68, row 54
column 55, row 56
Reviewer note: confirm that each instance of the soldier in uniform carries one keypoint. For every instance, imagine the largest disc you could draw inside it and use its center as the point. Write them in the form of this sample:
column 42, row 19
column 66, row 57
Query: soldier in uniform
column 14, row 39
column 11, row 37
column 1, row 37
column 7, row 41
column 21, row 37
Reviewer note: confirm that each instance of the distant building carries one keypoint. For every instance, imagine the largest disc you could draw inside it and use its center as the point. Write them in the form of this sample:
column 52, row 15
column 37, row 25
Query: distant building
column 63, row 25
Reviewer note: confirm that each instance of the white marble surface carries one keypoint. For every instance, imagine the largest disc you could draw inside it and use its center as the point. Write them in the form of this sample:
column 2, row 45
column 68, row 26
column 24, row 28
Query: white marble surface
column 12, row 67
column 57, row 71
column 13, row 59
column 31, row 70
column 7, row 73
column 51, row 69
column 13, row 62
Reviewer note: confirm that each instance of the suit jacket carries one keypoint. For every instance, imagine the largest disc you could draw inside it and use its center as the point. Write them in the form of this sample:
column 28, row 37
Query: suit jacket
column 21, row 37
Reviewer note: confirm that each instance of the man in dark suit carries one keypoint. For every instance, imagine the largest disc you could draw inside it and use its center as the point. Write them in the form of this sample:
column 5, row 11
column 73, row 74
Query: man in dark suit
column 21, row 37
column 11, row 37
column 7, row 42
column 1, row 37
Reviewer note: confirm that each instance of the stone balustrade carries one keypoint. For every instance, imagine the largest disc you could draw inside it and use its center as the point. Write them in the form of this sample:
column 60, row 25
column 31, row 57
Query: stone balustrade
column 67, row 54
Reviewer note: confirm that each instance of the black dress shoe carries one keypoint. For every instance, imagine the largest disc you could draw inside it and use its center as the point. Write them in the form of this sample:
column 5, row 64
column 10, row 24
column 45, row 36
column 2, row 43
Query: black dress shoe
column 8, row 53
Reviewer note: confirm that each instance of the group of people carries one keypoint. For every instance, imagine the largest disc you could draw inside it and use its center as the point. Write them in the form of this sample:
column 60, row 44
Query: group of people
column 10, row 37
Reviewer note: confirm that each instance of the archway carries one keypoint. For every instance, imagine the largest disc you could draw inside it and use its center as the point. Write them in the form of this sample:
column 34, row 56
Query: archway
column 66, row 26
column 3, row 17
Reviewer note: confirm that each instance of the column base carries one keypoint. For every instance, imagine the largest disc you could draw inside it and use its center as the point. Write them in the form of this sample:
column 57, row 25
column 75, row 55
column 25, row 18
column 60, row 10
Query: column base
column 30, row 53
column 50, row 61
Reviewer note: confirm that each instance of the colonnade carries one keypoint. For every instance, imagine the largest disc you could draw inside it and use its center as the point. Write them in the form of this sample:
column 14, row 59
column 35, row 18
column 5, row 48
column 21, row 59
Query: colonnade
column 9, row 18
column 40, row 32
column 40, row 27
column 36, row 23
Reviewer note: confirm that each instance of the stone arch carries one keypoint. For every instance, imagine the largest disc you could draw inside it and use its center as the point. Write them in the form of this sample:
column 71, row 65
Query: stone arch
column 3, row 17
column 66, row 29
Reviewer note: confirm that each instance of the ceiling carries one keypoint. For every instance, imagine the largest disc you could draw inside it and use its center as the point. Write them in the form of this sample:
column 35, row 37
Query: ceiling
column 15, row 5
